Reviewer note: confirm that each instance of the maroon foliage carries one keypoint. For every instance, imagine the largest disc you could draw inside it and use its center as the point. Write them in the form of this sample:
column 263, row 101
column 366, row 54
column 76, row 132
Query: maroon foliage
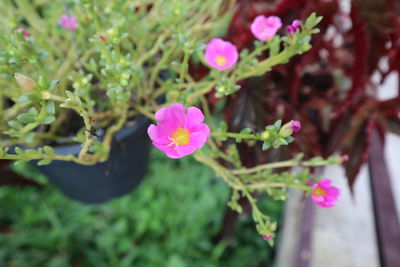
column 330, row 88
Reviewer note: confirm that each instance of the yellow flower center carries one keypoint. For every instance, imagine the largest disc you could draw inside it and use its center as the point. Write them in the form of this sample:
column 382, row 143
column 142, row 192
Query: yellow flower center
column 220, row 60
column 319, row 192
column 180, row 137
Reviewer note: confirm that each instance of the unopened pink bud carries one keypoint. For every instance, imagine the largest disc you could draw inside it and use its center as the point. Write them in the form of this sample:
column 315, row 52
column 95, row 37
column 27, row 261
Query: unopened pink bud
column 267, row 237
column 345, row 158
column 25, row 33
column 296, row 126
column 293, row 28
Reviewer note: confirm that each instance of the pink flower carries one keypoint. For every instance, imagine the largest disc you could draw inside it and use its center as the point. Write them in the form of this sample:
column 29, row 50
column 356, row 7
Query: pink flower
column 325, row 195
column 293, row 28
column 267, row 237
column 179, row 131
column 25, row 33
column 69, row 23
column 296, row 126
column 265, row 28
column 221, row 54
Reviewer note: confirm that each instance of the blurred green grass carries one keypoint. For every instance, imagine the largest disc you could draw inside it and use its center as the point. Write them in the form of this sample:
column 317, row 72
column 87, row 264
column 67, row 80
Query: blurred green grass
column 169, row 220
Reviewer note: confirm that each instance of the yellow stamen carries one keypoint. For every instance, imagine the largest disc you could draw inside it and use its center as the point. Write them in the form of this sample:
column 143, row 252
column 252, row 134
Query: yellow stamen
column 319, row 192
column 180, row 137
column 220, row 60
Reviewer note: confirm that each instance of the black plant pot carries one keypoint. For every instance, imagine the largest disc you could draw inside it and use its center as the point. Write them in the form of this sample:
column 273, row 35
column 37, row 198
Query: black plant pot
column 120, row 174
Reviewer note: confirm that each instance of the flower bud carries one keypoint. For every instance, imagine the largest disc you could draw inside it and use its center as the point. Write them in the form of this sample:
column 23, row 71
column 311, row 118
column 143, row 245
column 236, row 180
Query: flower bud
column 286, row 130
column 267, row 237
column 265, row 135
column 46, row 95
column 345, row 158
column 26, row 83
column 289, row 128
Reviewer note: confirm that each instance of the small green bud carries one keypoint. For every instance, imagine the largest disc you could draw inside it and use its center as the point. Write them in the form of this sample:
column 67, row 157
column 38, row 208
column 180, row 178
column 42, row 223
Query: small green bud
column 46, row 95
column 265, row 135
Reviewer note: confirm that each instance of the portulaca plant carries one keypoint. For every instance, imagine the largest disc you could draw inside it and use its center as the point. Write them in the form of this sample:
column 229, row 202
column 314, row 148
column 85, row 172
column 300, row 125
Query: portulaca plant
column 81, row 71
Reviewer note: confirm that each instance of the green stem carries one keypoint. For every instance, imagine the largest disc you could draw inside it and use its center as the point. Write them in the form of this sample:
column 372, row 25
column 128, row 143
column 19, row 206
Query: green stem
column 184, row 66
column 238, row 135
column 283, row 164
column 267, row 64
column 51, row 157
column 279, row 185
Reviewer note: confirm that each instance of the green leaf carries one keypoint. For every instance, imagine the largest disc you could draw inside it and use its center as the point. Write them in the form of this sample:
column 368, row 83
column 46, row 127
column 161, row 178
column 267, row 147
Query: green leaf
column 11, row 132
column 311, row 21
column 19, row 162
column 49, row 119
column 28, row 138
column 49, row 150
column 44, row 162
column 275, row 46
column 23, row 98
column 266, row 146
column 19, row 151
column 282, row 141
column 278, row 124
column 50, row 107
column 223, row 126
column 32, row 152
column 246, row 131
column 33, row 111
column 289, row 139
column 33, row 96
column 53, row 85
column 26, row 118
column 15, row 124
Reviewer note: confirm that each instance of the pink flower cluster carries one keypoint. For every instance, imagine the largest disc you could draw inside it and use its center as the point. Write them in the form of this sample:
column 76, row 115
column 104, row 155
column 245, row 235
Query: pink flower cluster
column 68, row 22
column 324, row 194
column 223, row 55
column 179, row 131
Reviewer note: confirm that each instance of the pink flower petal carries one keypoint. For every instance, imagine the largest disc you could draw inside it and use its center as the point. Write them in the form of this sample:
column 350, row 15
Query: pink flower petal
column 194, row 116
column 159, row 134
column 198, row 139
column 185, row 150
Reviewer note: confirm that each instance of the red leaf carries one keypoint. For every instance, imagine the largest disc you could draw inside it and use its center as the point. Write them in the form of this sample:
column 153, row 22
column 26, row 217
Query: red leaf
column 360, row 65
column 358, row 150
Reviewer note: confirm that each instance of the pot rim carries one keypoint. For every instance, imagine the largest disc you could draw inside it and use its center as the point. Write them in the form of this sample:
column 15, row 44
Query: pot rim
column 118, row 137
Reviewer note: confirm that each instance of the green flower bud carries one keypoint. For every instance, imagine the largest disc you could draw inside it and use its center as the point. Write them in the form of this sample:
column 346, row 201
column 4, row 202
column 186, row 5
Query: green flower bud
column 286, row 130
